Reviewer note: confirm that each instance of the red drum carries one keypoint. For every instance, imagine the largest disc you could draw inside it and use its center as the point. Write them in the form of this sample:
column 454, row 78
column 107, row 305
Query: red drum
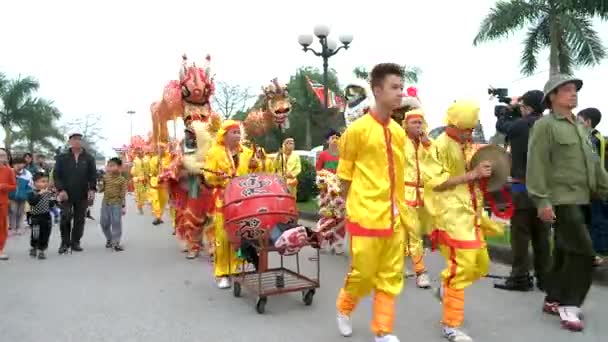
column 254, row 204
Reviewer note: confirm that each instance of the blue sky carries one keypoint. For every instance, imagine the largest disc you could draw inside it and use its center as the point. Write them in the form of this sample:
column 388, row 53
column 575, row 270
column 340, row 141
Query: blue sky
column 107, row 57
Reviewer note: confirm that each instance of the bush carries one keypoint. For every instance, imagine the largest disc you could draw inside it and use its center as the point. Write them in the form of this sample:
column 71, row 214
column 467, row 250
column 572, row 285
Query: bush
column 307, row 187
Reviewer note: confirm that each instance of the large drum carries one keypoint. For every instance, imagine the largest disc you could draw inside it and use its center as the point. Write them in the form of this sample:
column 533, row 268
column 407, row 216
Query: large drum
column 254, row 204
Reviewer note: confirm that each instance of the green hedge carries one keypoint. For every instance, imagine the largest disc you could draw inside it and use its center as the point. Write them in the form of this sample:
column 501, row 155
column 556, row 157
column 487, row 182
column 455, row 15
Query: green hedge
column 307, row 187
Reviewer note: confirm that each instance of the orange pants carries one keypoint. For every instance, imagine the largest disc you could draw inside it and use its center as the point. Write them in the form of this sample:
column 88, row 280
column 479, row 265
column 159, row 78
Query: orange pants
column 3, row 225
column 464, row 267
column 376, row 265
column 418, row 264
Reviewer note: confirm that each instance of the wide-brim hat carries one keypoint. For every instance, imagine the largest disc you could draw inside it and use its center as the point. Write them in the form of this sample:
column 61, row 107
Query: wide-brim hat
column 557, row 81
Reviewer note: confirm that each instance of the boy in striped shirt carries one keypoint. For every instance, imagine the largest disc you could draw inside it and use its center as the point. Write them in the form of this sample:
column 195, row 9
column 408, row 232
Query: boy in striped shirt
column 114, row 187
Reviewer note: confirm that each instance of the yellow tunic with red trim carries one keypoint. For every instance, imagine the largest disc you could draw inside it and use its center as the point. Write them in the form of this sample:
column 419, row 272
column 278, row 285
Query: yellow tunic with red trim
column 415, row 156
column 140, row 180
column 458, row 213
column 219, row 160
column 159, row 192
column 376, row 192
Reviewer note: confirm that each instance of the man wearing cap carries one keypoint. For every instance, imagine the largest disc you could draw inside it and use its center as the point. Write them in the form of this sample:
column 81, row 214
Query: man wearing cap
column 75, row 178
column 158, row 190
column 417, row 145
column 328, row 159
column 455, row 201
column 525, row 224
column 562, row 175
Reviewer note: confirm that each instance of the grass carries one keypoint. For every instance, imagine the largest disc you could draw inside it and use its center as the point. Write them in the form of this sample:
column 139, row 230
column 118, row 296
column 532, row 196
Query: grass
column 504, row 240
column 310, row 206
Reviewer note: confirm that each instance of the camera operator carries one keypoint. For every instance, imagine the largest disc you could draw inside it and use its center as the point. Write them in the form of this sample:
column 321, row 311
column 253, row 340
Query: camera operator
column 525, row 224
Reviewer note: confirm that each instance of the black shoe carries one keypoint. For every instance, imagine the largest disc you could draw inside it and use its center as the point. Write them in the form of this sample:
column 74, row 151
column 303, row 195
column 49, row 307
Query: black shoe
column 33, row 252
column 523, row 283
column 63, row 249
column 41, row 255
column 76, row 247
column 156, row 222
column 118, row 248
column 108, row 244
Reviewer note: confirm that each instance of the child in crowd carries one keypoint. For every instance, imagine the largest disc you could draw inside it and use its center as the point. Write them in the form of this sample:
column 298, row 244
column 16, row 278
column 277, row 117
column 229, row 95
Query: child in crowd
column 16, row 213
column 7, row 184
column 41, row 201
column 114, row 187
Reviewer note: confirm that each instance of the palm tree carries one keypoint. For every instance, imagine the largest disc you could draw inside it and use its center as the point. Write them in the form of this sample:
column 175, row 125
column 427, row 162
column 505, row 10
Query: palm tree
column 14, row 95
column 39, row 129
column 563, row 26
column 410, row 74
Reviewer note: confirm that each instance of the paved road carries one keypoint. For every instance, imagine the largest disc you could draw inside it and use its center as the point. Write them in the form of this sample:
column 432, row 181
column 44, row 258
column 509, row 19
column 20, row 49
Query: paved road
column 151, row 293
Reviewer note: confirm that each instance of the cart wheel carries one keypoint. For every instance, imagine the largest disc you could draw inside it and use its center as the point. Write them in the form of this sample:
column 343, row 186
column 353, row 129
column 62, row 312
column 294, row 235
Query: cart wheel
column 260, row 305
column 236, row 289
column 307, row 296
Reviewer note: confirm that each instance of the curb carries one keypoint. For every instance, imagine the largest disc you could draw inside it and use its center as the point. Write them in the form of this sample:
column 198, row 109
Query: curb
column 498, row 253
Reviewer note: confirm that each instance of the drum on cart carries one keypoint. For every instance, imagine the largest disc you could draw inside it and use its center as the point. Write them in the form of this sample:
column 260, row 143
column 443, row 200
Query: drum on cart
column 254, row 204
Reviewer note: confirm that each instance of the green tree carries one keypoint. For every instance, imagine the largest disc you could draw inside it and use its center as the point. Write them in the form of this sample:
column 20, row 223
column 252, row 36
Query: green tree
column 410, row 73
column 563, row 26
column 39, row 131
column 309, row 121
column 15, row 104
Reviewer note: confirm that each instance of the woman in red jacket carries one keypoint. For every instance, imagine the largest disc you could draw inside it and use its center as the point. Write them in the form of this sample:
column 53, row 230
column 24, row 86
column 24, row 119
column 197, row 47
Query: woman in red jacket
column 7, row 185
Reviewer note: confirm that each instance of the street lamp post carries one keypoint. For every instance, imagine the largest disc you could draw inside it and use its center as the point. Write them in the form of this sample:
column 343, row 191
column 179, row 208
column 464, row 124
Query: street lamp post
column 328, row 49
column 131, row 113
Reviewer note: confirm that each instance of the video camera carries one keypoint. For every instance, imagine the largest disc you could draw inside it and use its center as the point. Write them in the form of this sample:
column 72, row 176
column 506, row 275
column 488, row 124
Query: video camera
column 510, row 111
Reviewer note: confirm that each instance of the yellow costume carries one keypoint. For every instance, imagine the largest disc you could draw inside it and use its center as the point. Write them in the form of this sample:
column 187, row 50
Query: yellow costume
column 289, row 166
column 146, row 168
column 159, row 193
column 459, row 218
column 372, row 160
column 140, row 181
column 415, row 152
column 265, row 165
column 219, row 161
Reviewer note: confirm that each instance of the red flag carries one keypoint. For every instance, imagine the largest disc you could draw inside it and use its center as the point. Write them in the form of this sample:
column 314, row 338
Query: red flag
column 335, row 101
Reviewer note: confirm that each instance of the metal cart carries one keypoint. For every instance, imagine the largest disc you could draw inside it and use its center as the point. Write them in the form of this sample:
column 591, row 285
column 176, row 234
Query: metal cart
column 265, row 282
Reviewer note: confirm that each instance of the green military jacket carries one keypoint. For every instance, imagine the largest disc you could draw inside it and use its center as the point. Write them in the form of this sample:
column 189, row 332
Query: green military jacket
column 562, row 168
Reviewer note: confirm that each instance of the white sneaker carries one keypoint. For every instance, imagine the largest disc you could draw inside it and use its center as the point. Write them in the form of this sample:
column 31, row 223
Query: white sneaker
column 344, row 325
column 223, row 283
column 455, row 335
column 386, row 338
column 3, row 256
column 423, row 281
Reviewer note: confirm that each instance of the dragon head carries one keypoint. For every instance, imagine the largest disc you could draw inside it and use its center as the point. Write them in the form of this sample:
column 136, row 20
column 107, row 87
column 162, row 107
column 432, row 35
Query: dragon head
column 278, row 103
column 196, row 83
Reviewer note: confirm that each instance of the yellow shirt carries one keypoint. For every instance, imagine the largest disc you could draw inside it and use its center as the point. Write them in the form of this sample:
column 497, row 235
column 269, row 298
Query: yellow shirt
column 138, row 171
column 372, row 159
column 219, row 160
column 155, row 170
column 292, row 166
column 414, row 157
column 458, row 212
